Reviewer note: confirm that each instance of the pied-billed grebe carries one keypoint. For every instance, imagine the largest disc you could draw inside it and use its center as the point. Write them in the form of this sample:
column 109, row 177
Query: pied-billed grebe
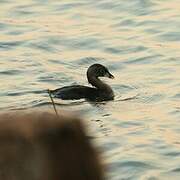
column 100, row 91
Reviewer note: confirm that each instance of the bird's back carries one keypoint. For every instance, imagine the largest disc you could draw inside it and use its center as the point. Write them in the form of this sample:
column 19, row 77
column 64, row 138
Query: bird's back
column 75, row 92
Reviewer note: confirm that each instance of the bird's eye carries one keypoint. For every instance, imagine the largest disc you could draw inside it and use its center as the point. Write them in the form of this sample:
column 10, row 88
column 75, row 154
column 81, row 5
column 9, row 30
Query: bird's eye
column 102, row 72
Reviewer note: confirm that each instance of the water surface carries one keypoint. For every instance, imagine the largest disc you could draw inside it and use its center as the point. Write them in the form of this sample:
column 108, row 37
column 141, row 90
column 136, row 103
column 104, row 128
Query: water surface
column 50, row 44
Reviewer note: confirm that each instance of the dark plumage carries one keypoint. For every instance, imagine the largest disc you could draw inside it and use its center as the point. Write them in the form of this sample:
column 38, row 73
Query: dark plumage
column 100, row 91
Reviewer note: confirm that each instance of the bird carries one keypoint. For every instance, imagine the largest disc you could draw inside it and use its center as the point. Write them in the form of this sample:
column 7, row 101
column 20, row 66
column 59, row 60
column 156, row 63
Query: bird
column 99, row 91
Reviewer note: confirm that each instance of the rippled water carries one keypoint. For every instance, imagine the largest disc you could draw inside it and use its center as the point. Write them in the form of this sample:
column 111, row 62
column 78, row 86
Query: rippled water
column 49, row 44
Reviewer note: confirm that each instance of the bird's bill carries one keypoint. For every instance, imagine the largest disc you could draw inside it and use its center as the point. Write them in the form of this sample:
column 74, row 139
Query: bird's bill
column 109, row 75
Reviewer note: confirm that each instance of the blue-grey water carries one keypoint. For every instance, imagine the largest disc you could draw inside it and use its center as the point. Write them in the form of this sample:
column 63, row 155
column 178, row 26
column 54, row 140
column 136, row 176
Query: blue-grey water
column 51, row 43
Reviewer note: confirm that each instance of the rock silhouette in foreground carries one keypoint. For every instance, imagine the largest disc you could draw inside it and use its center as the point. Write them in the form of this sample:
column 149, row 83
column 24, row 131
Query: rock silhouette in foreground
column 41, row 146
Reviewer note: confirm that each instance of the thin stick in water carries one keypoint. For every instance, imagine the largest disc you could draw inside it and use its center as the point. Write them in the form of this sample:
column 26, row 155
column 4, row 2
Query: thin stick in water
column 49, row 92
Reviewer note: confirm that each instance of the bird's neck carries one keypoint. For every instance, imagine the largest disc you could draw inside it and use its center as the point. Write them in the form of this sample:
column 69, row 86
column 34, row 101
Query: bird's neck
column 94, row 81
